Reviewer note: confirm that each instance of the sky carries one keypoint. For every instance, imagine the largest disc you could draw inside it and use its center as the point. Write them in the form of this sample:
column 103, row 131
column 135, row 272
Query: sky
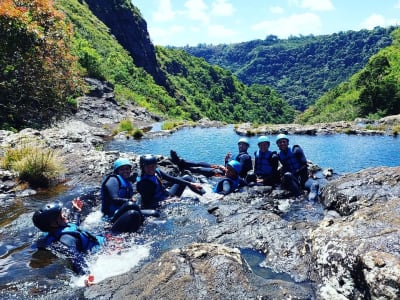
column 193, row 22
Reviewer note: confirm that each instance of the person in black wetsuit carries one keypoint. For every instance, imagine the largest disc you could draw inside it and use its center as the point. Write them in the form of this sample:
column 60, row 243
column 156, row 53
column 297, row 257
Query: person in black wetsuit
column 266, row 163
column 295, row 173
column 116, row 198
column 209, row 170
column 151, row 186
column 232, row 181
column 63, row 235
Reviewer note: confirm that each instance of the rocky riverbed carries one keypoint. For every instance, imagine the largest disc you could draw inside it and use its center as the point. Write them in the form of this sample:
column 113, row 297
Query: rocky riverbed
column 349, row 250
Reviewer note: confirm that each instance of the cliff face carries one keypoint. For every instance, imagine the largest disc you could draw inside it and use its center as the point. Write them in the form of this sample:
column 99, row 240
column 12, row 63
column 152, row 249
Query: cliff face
column 130, row 29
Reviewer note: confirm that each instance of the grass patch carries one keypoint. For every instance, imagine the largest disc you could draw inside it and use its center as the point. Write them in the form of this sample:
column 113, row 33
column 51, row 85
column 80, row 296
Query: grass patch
column 35, row 164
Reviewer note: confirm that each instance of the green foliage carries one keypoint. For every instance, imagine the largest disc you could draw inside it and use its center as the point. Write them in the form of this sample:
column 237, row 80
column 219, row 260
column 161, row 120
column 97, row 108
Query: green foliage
column 373, row 92
column 301, row 68
column 37, row 72
column 103, row 57
column 210, row 91
column 35, row 163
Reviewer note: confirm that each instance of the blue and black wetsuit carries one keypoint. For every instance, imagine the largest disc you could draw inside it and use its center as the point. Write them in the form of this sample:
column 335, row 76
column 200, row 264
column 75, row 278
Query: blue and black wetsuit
column 266, row 166
column 117, row 205
column 228, row 185
column 72, row 242
column 245, row 162
column 295, row 172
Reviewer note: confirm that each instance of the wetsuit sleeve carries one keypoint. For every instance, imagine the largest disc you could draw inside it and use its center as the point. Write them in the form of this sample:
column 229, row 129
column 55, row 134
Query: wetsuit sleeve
column 75, row 217
column 173, row 179
column 112, row 186
column 70, row 248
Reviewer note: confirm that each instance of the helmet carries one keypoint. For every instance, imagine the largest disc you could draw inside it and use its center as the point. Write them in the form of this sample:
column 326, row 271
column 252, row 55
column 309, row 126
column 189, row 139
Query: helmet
column 281, row 136
column 49, row 213
column 244, row 140
column 121, row 162
column 235, row 165
column 263, row 139
column 148, row 159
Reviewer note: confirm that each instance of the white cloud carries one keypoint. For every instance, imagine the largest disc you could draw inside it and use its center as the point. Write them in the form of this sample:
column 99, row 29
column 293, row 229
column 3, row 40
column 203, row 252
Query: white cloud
column 164, row 11
column 373, row 21
column 164, row 35
column 317, row 5
column 197, row 10
column 220, row 32
column 397, row 5
column 297, row 24
column 222, row 8
column 276, row 9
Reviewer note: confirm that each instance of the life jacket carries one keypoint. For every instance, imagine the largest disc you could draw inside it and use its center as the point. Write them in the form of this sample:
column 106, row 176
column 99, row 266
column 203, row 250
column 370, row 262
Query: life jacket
column 247, row 166
column 235, row 183
column 293, row 163
column 125, row 191
column 86, row 240
column 262, row 165
column 160, row 192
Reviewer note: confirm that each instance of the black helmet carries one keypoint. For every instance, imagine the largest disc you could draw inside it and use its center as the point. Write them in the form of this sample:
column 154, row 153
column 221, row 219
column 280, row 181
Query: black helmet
column 147, row 159
column 49, row 213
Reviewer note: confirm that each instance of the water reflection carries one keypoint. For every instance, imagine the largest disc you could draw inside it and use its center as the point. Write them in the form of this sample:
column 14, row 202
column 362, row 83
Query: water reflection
column 344, row 153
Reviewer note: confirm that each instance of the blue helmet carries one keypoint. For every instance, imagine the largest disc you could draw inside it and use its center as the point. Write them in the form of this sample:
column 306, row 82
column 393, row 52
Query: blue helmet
column 121, row 162
column 45, row 216
column 263, row 139
column 235, row 165
column 281, row 136
column 244, row 140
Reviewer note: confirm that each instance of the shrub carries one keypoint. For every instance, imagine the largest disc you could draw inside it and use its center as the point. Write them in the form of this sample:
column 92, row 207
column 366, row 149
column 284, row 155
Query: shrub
column 34, row 163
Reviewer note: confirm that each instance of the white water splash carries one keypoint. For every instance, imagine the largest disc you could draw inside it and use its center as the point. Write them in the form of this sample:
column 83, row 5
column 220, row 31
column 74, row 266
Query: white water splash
column 108, row 264
column 117, row 257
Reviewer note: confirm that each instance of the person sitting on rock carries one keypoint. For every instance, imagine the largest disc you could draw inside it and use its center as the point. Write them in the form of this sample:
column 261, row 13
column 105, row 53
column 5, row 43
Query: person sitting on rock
column 266, row 163
column 63, row 235
column 151, row 186
column 232, row 181
column 116, row 199
column 295, row 173
column 217, row 170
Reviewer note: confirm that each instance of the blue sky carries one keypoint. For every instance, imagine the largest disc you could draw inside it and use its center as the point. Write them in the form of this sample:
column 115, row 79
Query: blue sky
column 190, row 22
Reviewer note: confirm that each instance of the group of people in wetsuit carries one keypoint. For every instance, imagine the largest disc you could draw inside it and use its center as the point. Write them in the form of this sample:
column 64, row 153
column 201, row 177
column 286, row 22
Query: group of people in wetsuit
column 287, row 168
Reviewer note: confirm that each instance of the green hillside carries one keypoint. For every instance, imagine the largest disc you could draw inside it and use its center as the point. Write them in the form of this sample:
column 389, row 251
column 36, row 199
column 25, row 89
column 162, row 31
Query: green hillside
column 301, row 68
column 373, row 92
column 38, row 39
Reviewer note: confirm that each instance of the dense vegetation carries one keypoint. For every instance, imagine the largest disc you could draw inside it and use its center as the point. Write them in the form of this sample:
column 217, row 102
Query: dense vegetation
column 210, row 91
column 38, row 75
column 302, row 68
column 372, row 92
column 46, row 54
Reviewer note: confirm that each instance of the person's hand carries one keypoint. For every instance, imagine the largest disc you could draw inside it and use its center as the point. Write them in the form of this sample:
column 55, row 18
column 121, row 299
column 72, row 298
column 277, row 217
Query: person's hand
column 228, row 157
column 77, row 203
column 89, row 280
column 196, row 186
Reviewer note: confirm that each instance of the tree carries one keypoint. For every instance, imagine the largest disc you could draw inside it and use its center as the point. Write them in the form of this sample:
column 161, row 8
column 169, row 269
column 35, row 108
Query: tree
column 38, row 75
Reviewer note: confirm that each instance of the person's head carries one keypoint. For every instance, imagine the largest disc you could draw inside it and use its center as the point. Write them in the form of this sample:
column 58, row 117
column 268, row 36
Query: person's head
column 148, row 164
column 50, row 217
column 243, row 144
column 122, row 167
column 263, row 143
column 233, row 169
column 282, row 141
